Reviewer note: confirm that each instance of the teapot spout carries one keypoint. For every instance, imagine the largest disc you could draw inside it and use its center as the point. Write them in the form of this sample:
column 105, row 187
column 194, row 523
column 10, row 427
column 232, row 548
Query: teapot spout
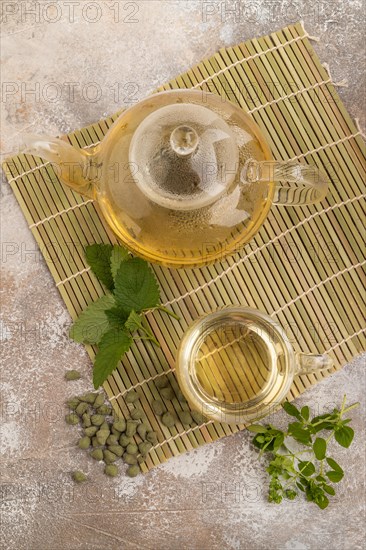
column 74, row 167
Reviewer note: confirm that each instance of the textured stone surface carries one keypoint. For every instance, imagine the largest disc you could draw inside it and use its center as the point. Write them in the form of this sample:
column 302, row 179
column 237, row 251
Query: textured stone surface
column 213, row 497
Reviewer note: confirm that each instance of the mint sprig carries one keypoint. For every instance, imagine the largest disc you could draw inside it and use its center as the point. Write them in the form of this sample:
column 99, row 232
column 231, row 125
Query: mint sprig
column 112, row 320
column 309, row 468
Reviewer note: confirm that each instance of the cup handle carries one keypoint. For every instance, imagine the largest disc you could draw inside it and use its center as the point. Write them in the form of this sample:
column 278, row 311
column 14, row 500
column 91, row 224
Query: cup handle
column 307, row 363
column 295, row 183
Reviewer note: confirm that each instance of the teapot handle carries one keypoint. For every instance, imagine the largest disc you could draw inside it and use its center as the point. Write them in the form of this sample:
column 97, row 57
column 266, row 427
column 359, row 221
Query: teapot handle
column 295, row 183
column 74, row 167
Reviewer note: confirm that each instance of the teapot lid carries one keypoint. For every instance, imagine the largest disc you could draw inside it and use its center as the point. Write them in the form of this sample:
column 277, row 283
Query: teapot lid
column 185, row 154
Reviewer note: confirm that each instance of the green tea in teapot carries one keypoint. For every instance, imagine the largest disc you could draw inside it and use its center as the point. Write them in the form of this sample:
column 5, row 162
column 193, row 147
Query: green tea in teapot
column 177, row 199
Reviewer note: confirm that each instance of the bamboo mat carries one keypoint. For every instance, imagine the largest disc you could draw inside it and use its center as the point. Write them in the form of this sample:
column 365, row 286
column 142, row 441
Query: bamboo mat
column 305, row 266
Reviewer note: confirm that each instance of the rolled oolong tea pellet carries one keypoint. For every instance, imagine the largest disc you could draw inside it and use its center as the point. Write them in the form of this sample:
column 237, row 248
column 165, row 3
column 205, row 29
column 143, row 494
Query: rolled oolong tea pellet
column 95, row 442
column 97, row 454
column 109, row 457
column 131, row 428
column 132, row 448
column 168, row 420
column 124, row 440
column 84, row 442
column 112, row 440
column 120, row 425
column 157, row 407
column 181, row 397
column 137, row 413
column 92, row 430
column 78, row 476
column 102, row 436
column 81, row 408
column 162, row 382
column 142, row 430
column 129, row 459
column 72, row 419
column 97, row 419
column 72, row 403
column 152, row 437
column 185, row 417
column 167, row 393
column 86, row 420
column 105, row 427
column 111, row 470
column 99, row 400
column 72, row 375
column 144, row 447
column 132, row 396
column 116, row 449
column 88, row 398
column 104, row 409
column 198, row 417
column 133, row 471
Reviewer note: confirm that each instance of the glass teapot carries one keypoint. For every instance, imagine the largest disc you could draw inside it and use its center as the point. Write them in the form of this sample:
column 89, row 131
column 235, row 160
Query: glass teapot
column 183, row 178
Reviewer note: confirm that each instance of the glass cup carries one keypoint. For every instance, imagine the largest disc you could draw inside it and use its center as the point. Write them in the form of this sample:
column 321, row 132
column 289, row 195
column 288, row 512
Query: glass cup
column 236, row 365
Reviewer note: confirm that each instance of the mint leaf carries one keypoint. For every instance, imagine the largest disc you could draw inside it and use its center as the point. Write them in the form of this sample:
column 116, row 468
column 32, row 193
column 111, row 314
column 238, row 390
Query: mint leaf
column 305, row 412
column 291, row 410
column 118, row 255
column 112, row 346
column 334, row 476
column 135, row 286
column 92, row 322
column 320, row 448
column 296, row 430
column 98, row 257
column 278, row 442
column 133, row 322
column 116, row 317
column 257, row 428
column 328, row 489
column 334, row 465
column 322, row 426
column 322, row 502
column 306, row 468
column 344, row 436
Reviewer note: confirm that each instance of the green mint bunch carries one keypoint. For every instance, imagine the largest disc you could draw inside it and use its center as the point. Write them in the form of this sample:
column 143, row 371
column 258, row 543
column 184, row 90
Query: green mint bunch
column 111, row 321
column 309, row 469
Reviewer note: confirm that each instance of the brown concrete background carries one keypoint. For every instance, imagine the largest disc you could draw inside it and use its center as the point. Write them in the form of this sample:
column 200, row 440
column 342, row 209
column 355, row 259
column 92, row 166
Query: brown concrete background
column 213, row 497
